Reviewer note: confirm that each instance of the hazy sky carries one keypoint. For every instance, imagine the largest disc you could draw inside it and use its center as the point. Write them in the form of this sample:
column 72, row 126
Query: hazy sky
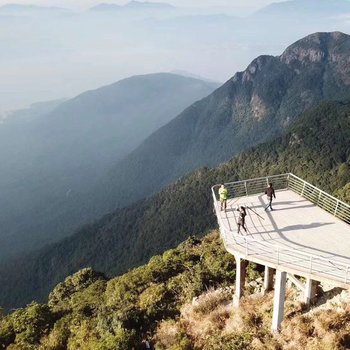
column 242, row 4
column 50, row 57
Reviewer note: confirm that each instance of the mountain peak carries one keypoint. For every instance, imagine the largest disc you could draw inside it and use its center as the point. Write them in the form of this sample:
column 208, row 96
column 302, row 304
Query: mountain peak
column 147, row 4
column 315, row 47
column 320, row 37
column 132, row 5
column 105, row 7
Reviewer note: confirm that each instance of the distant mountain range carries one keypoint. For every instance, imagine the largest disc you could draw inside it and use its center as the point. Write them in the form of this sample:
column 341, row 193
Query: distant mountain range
column 133, row 5
column 291, row 7
column 50, row 154
column 36, row 110
column 148, row 4
column 305, row 8
column 13, row 8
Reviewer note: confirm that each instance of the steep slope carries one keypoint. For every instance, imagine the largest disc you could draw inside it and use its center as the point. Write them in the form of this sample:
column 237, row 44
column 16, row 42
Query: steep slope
column 47, row 160
column 128, row 305
column 130, row 236
column 181, row 299
column 252, row 107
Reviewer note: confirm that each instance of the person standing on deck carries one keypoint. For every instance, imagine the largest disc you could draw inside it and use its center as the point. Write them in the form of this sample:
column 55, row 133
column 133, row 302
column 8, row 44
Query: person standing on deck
column 270, row 192
column 241, row 219
column 223, row 197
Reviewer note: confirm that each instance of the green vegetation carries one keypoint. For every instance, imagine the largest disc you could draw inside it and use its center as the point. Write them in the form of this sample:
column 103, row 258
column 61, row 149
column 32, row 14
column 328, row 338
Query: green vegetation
column 180, row 300
column 90, row 312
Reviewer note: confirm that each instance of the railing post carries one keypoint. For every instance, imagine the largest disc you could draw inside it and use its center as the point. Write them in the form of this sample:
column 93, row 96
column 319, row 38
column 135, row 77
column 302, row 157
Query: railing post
column 319, row 197
column 246, row 189
column 310, row 264
column 288, row 176
column 302, row 191
column 336, row 208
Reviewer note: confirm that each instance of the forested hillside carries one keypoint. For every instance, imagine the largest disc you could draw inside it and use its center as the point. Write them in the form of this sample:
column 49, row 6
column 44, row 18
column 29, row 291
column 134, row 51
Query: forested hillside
column 88, row 311
column 315, row 148
column 180, row 300
column 49, row 157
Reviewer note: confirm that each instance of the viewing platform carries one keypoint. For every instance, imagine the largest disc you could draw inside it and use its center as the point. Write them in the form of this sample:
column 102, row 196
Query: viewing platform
column 306, row 235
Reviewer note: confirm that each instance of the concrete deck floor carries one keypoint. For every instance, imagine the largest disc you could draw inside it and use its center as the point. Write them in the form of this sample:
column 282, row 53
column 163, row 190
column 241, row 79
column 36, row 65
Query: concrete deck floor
column 295, row 223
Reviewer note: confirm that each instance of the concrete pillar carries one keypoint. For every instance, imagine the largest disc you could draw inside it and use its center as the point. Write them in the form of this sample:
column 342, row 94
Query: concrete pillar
column 278, row 304
column 310, row 291
column 268, row 279
column 241, row 272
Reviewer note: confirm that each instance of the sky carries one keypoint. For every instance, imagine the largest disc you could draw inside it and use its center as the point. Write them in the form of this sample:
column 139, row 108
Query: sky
column 249, row 5
column 52, row 57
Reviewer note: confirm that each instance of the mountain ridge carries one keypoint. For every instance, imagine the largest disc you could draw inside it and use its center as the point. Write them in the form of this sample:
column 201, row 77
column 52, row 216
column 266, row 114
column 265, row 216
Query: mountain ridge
column 133, row 5
column 305, row 8
column 62, row 153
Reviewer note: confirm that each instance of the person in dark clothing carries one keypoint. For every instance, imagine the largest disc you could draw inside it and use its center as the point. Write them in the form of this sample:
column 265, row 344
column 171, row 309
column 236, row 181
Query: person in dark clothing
column 241, row 219
column 270, row 192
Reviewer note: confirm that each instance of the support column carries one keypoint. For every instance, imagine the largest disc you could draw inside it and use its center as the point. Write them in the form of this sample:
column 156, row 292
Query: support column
column 310, row 291
column 278, row 304
column 241, row 272
column 296, row 282
column 268, row 278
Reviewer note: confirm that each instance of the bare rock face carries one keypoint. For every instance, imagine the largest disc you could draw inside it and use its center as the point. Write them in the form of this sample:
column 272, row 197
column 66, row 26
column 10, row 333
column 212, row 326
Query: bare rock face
column 303, row 55
column 295, row 140
column 329, row 48
column 259, row 109
column 314, row 68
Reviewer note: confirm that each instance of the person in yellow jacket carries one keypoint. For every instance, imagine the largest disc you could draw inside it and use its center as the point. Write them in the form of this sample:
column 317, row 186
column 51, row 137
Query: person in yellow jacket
column 223, row 196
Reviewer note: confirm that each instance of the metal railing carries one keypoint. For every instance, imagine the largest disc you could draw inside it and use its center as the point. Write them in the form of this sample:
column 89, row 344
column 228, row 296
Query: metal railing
column 320, row 198
column 253, row 186
column 277, row 254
